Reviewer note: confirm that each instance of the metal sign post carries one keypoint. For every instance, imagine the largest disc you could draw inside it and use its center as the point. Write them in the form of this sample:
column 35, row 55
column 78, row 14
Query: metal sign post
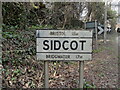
column 105, row 22
column 46, row 74
column 96, row 33
column 81, row 74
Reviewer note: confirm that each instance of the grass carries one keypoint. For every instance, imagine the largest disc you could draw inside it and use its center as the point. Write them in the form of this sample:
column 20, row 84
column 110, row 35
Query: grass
column 97, row 50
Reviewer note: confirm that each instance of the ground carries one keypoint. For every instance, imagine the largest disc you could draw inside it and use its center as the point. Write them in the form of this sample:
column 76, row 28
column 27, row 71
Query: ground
column 103, row 70
column 21, row 69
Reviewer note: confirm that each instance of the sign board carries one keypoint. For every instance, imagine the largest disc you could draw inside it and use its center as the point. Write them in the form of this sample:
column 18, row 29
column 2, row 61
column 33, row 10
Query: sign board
column 90, row 25
column 64, row 45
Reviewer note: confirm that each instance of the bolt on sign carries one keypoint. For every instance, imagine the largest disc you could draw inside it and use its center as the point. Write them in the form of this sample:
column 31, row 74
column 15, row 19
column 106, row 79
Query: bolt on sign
column 75, row 45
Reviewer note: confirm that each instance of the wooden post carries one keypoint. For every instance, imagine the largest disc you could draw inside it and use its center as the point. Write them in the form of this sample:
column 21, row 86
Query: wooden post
column 81, row 76
column 46, row 75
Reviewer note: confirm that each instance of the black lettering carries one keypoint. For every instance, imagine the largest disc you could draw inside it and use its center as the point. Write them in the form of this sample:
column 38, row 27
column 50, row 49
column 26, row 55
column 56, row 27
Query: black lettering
column 71, row 45
column 51, row 45
column 82, row 46
column 64, row 45
column 45, row 44
column 57, row 46
column 47, row 56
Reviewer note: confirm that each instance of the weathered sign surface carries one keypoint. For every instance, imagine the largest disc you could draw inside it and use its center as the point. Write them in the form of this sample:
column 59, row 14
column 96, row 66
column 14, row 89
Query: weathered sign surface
column 64, row 45
column 90, row 25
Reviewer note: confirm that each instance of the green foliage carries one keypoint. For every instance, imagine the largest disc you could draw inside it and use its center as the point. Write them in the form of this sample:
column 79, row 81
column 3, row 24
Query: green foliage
column 9, row 35
column 97, row 50
column 118, row 57
column 12, row 13
column 5, row 60
column 13, row 79
column 101, row 75
column 111, row 14
column 87, row 85
column 17, row 71
column 22, row 14
column 35, row 27
column 19, row 42
column 61, row 15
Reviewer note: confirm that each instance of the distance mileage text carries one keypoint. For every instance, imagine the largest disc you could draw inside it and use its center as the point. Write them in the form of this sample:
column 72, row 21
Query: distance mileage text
column 58, row 33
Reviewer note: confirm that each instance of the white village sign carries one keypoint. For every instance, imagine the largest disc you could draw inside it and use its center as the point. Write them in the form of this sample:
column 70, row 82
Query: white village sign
column 75, row 45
